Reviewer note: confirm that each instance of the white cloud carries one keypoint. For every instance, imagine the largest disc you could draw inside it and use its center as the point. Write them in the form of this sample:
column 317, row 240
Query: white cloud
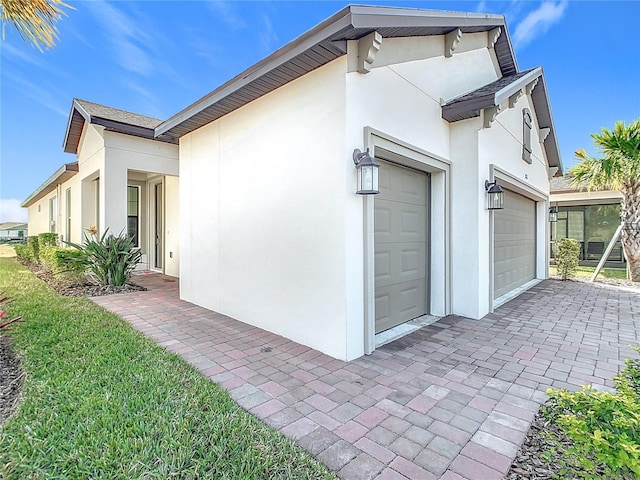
column 537, row 22
column 481, row 7
column 135, row 44
column 268, row 37
column 224, row 11
column 10, row 211
column 43, row 93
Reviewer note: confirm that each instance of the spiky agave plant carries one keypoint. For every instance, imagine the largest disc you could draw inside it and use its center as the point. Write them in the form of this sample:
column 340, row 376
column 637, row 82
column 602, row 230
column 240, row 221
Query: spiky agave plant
column 109, row 258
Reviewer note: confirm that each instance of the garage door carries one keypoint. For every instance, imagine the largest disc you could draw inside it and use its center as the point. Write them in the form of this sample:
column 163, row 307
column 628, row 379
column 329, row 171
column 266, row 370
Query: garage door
column 514, row 243
column 400, row 246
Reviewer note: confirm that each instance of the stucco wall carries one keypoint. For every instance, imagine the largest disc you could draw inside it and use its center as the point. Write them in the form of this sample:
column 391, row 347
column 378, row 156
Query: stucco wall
column 172, row 226
column 272, row 232
column 98, row 190
column 415, row 117
column 38, row 215
column 262, row 212
column 501, row 147
column 126, row 153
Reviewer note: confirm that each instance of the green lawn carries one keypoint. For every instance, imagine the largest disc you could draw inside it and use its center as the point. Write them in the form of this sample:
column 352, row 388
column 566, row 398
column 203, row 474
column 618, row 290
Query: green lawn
column 101, row 401
column 588, row 272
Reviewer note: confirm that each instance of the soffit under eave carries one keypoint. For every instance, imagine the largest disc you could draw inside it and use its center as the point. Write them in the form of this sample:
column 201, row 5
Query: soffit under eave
column 74, row 131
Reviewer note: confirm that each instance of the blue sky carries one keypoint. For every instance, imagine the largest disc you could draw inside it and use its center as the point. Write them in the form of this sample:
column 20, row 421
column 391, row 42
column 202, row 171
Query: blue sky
column 157, row 57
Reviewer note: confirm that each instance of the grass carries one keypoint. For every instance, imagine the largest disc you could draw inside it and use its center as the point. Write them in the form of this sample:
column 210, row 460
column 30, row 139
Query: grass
column 102, row 401
column 620, row 273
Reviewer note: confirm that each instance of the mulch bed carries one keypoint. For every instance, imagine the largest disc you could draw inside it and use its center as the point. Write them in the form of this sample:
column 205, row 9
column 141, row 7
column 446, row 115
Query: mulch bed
column 11, row 376
column 84, row 290
column 602, row 281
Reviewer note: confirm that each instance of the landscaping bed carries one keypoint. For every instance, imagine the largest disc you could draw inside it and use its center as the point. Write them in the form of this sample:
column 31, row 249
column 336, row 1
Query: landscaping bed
column 11, row 376
column 85, row 289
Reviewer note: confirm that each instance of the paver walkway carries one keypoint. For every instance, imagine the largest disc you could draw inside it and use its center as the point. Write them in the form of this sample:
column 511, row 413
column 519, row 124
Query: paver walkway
column 453, row 400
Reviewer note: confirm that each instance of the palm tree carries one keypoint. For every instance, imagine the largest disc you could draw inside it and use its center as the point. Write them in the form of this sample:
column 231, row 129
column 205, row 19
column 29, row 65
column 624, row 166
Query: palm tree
column 618, row 169
column 33, row 19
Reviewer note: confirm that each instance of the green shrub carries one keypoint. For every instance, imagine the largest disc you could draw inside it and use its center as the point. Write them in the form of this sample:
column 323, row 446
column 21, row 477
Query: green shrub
column 63, row 263
column 34, row 249
column 23, row 252
column 111, row 259
column 567, row 255
column 605, row 427
column 47, row 240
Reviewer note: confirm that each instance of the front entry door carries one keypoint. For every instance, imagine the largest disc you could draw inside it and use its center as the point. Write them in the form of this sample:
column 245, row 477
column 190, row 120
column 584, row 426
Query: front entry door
column 158, row 226
column 400, row 225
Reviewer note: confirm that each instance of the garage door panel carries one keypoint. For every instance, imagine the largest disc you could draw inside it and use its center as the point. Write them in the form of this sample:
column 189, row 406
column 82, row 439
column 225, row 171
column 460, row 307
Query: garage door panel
column 402, row 184
column 514, row 243
column 399, row 262
column 383, row 265
column 400, row 246
column 399, row 303
column 382, row 221
column 399, row 222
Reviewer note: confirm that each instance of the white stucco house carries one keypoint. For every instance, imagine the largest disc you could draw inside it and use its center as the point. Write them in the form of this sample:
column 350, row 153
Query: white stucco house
column 271, row 230
column 124, row 179
column 286, row 244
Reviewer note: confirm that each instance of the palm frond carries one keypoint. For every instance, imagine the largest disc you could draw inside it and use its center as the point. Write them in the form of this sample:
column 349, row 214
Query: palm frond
column 34, row 20
column 620, row 162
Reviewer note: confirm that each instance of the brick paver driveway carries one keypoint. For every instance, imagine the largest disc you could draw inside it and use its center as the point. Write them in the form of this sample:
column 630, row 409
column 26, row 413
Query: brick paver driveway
column 452, row 400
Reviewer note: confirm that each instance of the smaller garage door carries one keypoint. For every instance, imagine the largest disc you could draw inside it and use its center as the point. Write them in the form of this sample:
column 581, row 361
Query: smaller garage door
column 400, row 246
column 514, row 241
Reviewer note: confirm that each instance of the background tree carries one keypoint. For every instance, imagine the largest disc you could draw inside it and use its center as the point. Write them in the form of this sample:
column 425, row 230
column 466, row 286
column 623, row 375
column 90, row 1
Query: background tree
column 617, row 169
column 33, row 19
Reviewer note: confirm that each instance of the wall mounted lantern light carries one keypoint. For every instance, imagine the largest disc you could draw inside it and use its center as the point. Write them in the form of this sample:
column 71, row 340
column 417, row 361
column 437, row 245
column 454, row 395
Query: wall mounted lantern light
column 495, row 195
column 367, row 173
column 553, row 214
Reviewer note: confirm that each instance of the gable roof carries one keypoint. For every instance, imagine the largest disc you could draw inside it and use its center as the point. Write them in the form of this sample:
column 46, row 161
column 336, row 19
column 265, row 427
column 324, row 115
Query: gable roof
column 493, row 94
column 562, row 184
column 469, row 105
column 326, row 42
column 61, row 175
column 112, row 119
column 13, row 226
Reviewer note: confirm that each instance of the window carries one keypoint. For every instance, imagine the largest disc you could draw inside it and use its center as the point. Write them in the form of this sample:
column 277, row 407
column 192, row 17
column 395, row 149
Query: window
column 133, row 194
column 68, row 213
column 53, row 213
column 526, row 135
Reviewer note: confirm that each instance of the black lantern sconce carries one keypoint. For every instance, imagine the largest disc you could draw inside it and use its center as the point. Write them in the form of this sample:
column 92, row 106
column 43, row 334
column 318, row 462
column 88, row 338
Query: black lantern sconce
column 495, row 195
column 367, row 173
column 553, row 214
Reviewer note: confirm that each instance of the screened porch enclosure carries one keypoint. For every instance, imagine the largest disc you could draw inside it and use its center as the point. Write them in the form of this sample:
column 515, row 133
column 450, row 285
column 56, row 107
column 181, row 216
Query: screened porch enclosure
column 591, row 225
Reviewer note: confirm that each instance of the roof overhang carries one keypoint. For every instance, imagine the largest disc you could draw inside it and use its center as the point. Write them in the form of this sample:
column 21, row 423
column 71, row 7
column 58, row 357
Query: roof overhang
column 323, row 44
column 79, row 116
column 61, row 175
column 471, row 104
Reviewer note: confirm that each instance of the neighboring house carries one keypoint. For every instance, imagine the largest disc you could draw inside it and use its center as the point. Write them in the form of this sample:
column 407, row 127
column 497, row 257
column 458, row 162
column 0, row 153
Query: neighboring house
column 124, row 179
column 10, row 231
column 272, row 232
column 588, row 217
